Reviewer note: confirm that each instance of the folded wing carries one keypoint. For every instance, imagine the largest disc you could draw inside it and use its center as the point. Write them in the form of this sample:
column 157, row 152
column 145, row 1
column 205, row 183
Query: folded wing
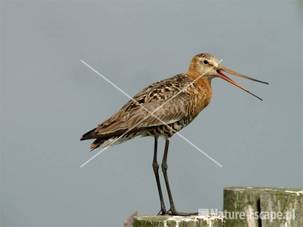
column 164, row 102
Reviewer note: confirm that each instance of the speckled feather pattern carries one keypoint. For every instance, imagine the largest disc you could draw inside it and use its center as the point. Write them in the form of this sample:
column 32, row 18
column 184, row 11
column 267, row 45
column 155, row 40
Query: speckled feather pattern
column 176, row 112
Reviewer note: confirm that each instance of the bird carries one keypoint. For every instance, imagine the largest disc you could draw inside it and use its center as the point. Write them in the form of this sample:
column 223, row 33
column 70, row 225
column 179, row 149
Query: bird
column 163, row 109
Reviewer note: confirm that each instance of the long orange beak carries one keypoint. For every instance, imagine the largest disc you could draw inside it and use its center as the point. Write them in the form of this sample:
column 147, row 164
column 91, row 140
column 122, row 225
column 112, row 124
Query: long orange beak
column 220, row 74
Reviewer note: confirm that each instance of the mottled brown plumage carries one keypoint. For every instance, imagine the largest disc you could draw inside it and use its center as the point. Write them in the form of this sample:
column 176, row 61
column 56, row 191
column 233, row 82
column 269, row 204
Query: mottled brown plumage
column 164, row 108
column 176, row 113
column 180, row 97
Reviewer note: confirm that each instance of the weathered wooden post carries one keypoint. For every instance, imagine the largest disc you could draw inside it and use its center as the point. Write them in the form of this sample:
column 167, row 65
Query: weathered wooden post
column 263, row 207
column 178, row 221
column 243, row 207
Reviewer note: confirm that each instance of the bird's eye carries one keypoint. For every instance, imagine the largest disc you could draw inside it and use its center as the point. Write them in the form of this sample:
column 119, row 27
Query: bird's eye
column 205, row 62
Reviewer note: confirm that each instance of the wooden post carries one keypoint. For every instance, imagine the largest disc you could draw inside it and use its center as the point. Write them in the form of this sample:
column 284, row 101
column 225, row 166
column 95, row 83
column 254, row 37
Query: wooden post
column 243, row 207
column 177, row 221
column 263, row 207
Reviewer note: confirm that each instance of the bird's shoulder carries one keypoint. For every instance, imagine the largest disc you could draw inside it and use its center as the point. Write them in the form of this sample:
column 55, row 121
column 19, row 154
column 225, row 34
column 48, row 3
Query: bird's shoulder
column 172, row 95
column 160, row 91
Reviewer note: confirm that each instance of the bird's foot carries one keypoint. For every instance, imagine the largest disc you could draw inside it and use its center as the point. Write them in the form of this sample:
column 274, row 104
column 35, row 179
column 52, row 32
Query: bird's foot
column 162, row 212
column 173, row 212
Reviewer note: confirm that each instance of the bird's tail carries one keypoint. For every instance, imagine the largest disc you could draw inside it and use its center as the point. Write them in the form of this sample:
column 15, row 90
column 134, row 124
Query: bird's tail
column 105, row 143
column 91, row 134
column 97, row 143
column 104, row 140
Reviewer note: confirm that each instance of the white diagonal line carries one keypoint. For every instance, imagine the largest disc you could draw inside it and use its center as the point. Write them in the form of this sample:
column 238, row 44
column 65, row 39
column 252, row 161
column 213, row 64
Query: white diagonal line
column 93, row 157
column 106, row 79
column 201, row 151
column 150, row 113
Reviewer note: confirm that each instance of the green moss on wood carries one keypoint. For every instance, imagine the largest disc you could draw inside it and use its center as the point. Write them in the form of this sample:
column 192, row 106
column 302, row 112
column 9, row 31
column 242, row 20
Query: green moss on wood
column 264, row 200
column 177, row 221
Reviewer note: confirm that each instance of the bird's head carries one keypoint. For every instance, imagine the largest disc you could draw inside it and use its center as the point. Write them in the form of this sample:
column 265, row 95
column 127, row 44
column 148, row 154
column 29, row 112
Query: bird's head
column 206, row 66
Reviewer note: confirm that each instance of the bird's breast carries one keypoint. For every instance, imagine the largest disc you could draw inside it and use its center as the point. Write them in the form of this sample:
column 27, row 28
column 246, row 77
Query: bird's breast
column 201, row 97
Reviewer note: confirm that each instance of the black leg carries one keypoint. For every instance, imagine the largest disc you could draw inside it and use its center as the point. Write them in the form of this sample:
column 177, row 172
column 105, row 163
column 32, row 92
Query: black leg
column 164, row 170
column 172, row 210
column 156, row 172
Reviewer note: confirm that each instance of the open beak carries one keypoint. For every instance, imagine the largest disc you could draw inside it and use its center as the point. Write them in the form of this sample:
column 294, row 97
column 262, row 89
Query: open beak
column 220, row 74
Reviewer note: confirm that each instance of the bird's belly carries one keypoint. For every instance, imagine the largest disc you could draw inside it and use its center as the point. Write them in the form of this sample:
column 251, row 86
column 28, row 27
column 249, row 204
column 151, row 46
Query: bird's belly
column 166, row 130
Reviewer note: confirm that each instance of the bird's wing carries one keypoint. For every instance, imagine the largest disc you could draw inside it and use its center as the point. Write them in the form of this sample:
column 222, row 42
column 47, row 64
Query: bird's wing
column 164, row 102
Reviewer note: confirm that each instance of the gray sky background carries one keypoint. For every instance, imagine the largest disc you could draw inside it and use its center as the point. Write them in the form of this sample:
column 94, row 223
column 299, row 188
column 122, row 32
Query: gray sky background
column 48, row 99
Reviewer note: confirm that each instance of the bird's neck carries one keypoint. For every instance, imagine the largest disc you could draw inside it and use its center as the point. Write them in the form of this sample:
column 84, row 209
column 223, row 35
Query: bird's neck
column 204, row 84
column 202, row 81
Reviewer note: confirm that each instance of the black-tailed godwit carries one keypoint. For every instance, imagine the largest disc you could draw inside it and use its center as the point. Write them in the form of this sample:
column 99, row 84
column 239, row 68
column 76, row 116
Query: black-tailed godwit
column 162, row 109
